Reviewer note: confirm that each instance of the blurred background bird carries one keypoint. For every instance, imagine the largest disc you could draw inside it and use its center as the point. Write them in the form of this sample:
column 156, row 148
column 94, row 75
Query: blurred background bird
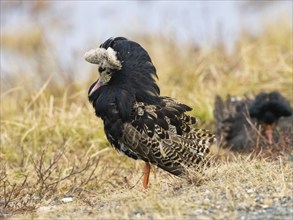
column 137, row 120
column 243, row 124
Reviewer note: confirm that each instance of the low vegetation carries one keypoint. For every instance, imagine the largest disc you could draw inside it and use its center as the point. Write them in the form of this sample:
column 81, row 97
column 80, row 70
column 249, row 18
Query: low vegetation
column 57, row 163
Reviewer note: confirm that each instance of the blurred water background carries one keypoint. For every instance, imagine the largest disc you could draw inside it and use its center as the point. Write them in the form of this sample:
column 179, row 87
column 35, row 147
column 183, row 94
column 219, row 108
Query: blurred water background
column 50, row 37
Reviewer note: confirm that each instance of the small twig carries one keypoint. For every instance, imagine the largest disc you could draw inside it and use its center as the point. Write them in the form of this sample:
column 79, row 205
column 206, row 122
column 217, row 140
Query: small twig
column 6, row 201
column 136, row 182
column 253, row 126
column 72, row 173
column 91, row 174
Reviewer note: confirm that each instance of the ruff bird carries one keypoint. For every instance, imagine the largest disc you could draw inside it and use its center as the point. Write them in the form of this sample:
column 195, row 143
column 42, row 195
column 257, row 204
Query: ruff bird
column 237, row 121
column 137, row 120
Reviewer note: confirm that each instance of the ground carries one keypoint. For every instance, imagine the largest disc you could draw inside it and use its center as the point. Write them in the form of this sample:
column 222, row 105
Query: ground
column 242, row 187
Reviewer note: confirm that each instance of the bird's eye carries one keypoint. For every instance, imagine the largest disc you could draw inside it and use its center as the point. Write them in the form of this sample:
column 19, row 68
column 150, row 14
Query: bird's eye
column 101, row 69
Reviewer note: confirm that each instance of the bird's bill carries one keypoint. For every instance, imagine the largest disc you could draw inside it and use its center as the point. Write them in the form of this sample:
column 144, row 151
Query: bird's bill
column 98, row 84
column 269, row 133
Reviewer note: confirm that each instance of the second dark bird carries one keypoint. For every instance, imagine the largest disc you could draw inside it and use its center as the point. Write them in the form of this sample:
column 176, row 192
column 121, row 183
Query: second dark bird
column 241, row 122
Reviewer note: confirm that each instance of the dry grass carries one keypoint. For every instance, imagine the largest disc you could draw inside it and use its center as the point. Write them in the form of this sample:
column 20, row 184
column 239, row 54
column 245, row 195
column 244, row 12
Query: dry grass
column 53, row 146
column 228, row 190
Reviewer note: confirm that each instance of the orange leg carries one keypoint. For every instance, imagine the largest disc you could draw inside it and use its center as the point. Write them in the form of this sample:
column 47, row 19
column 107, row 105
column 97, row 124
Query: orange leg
column 269, row 133
column 146, row 176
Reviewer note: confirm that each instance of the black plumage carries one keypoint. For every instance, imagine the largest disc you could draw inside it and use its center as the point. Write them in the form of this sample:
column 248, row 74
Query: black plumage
column 267, row 108
column 237, row 121
column 137, row 120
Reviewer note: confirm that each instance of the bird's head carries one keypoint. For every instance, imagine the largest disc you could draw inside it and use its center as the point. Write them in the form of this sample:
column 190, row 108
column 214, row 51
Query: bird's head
column 123, row 63
column 267, row 108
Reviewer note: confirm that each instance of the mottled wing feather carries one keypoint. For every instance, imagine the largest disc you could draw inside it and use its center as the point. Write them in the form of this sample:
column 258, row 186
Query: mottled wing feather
column 232, row 122
column 164, row 136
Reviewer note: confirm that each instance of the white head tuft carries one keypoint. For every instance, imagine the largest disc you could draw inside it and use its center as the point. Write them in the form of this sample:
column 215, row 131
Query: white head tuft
column 104, row 58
